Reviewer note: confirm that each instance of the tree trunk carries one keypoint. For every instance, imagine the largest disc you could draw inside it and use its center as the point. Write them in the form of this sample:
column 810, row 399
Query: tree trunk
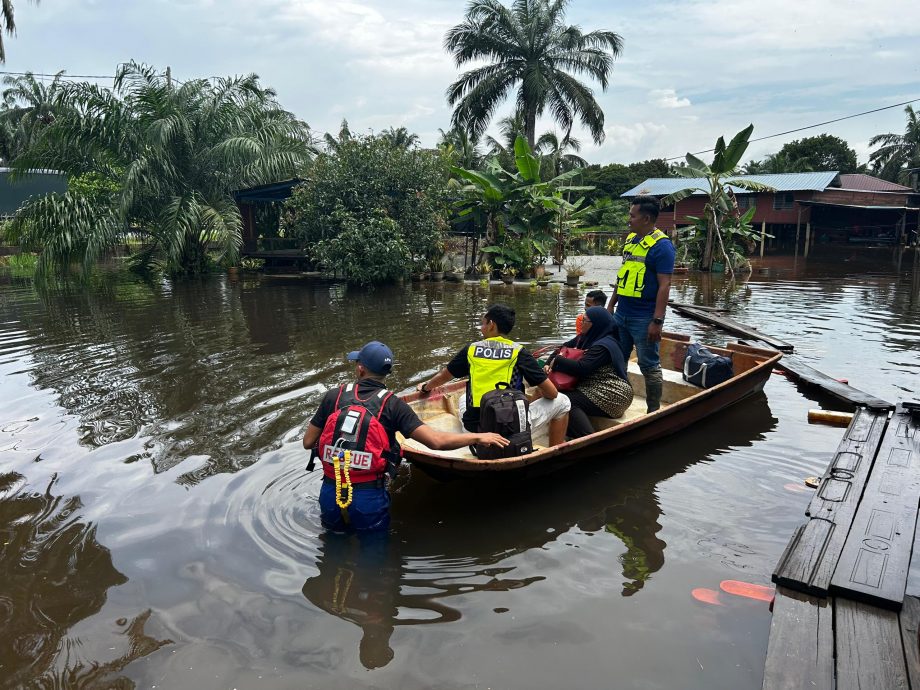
column 530, row 126
column 707, row 250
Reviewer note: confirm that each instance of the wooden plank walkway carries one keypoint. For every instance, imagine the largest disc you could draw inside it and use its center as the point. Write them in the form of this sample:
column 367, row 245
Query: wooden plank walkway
column 790, row 363
column 843, row 617
column 732, row 326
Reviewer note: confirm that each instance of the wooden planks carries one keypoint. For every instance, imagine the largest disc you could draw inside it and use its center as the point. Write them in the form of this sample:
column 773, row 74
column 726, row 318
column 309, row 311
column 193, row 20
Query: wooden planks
column 732, row 326
column 868, row 647
column 800, row 653
column 910, row 637
column 810, row 558
column 874, row 562
column 806, row 374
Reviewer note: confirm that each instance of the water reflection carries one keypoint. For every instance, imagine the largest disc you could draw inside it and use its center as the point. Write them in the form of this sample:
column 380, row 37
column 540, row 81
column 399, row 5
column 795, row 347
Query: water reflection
column 386, row 581
column 54, row 574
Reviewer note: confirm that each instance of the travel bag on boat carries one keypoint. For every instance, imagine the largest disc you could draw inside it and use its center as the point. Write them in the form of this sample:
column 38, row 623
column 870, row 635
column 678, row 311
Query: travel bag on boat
column 566, row 382
column 504, row 411
column 704, row 368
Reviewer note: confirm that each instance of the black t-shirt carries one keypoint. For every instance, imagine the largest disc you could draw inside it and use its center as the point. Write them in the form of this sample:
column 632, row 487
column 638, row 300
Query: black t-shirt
column 526, row 369
column 396, row 415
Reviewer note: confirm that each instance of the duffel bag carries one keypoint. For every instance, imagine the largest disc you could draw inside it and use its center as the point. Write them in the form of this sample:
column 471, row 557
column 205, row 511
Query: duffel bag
column 704, row 368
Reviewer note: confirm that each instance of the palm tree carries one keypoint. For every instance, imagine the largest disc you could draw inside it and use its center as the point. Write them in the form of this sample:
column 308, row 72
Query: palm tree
column 29, row 105
column 898, row 152
column 529, row 47
column 462, row 149
column 510, row 128
column 168, row 160
column 332, row 143
column 554, row 152
column 399, row 137
column 7, row 21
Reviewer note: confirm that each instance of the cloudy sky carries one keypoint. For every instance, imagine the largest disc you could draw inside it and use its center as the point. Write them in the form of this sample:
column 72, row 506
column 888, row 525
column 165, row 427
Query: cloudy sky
column 690, row 69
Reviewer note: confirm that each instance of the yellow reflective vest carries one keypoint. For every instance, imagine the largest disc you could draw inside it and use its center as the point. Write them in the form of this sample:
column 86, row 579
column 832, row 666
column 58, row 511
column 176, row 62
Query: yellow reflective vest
column 631, row 276
column 492, row 361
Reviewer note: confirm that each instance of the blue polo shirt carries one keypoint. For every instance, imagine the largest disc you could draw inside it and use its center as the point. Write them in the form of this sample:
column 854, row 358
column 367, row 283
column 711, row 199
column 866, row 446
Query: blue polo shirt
column 660, row 259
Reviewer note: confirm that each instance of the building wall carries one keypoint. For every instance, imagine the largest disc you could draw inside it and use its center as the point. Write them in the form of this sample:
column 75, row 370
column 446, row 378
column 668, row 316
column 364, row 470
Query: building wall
column 14, row 193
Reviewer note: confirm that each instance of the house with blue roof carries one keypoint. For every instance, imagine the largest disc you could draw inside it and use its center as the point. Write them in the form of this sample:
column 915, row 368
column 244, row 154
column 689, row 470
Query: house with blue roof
column 806, row 209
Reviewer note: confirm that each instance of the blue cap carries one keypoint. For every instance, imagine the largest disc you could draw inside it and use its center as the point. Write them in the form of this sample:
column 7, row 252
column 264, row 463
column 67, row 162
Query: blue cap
column 375, row 356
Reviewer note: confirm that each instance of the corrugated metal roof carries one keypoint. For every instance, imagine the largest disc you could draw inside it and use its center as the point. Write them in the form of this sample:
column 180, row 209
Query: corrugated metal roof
column 867, row 183
column 782, row 182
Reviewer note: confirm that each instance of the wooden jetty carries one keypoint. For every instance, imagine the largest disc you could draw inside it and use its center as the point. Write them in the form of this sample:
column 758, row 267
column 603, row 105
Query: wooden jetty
column 792, row 364
column 846, row 614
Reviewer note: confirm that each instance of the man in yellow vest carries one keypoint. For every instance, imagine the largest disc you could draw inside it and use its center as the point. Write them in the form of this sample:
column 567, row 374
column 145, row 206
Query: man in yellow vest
column 497, row 359
column 641, row 295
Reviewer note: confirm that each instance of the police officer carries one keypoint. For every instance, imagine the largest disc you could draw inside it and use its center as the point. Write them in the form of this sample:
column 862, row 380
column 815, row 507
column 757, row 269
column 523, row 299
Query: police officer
column 497, row 359
column 641, row 295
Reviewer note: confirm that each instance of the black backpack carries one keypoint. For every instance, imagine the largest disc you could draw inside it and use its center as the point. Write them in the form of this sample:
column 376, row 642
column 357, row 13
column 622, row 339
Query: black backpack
column 504, row 411
column 704, row 368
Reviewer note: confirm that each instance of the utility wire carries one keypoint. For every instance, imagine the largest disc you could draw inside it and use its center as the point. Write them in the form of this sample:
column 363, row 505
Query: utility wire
column 801, row 129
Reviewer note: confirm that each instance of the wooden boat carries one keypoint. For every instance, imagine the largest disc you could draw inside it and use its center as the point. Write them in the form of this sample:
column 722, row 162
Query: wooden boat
column 682, row 405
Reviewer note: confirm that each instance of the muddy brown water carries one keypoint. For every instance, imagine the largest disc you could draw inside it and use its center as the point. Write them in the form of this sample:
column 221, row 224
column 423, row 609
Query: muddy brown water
column 157, row 527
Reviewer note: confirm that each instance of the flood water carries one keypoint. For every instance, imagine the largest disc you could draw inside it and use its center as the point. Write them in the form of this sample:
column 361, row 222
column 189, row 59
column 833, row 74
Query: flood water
column 159, row 529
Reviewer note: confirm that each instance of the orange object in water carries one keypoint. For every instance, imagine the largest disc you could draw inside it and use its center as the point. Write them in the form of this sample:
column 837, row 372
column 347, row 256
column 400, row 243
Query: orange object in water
column 707, row 596
column 746, row 589
column 578, row 320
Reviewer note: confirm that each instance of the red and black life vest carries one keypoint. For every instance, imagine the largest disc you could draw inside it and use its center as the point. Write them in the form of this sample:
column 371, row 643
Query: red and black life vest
column 355, row 426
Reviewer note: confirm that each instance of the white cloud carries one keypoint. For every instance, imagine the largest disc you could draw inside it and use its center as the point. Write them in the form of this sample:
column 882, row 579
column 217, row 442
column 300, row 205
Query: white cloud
column 667, row 98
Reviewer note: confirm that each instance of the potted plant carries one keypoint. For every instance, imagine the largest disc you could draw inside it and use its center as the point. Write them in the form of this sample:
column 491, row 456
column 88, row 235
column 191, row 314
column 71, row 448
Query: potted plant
column 485, row 270
column 436, row 270
column 508, row 273
column 573, row 271
column 450, row 271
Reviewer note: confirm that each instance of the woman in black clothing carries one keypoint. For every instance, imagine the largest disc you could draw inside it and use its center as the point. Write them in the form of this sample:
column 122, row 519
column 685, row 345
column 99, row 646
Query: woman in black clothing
column 603, row 389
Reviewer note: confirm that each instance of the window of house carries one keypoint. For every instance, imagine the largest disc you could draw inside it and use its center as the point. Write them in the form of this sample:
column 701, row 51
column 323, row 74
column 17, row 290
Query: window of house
column 783, row 201
column 745, row 201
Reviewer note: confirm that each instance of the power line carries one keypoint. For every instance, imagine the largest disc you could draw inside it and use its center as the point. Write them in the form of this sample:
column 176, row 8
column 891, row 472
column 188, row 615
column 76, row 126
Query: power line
column 62, row 76
column 801, row 129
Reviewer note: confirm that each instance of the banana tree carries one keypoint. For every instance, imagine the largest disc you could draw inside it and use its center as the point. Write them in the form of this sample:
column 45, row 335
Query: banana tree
column 520, row 213
column 715, row 180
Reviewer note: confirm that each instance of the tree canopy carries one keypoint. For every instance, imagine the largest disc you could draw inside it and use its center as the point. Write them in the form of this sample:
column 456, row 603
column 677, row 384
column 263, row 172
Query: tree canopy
column 530, row 48
column 372, row 208
column 897, row 153
column 158, row 161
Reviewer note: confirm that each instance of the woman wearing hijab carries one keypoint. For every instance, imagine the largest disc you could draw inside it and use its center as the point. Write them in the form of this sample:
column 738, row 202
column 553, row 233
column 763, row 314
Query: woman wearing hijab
column 603, row 389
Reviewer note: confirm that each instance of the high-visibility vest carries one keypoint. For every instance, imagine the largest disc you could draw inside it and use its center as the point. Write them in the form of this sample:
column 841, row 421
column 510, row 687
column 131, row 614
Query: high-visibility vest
column 493, row 360
column 631, row 276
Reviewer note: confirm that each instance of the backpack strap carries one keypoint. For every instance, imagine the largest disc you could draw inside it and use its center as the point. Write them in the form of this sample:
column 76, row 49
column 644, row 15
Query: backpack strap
column 344, row 387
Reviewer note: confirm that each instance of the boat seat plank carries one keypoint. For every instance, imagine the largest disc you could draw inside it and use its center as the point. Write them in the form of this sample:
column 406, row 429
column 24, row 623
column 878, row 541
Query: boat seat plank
column 810, row 558
column 873, row 565
column 800, row 653
column 868, row 647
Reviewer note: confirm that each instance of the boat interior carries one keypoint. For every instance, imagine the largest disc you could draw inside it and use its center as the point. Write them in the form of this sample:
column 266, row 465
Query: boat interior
column 441, row 410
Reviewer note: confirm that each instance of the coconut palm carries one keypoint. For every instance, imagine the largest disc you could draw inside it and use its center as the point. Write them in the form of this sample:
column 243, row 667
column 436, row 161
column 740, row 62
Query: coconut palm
column 29, row 105
column 399, row 137
column 462, row 149
column 332, row 143
column 167, row 160
column 555, row 152
column 897, row 153
column 8, row 22
column 528, row 47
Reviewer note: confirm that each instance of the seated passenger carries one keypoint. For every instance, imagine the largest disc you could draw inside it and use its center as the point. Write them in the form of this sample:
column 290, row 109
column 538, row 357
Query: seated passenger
column 603, row 388
column 595, row 298
column 497, row 359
